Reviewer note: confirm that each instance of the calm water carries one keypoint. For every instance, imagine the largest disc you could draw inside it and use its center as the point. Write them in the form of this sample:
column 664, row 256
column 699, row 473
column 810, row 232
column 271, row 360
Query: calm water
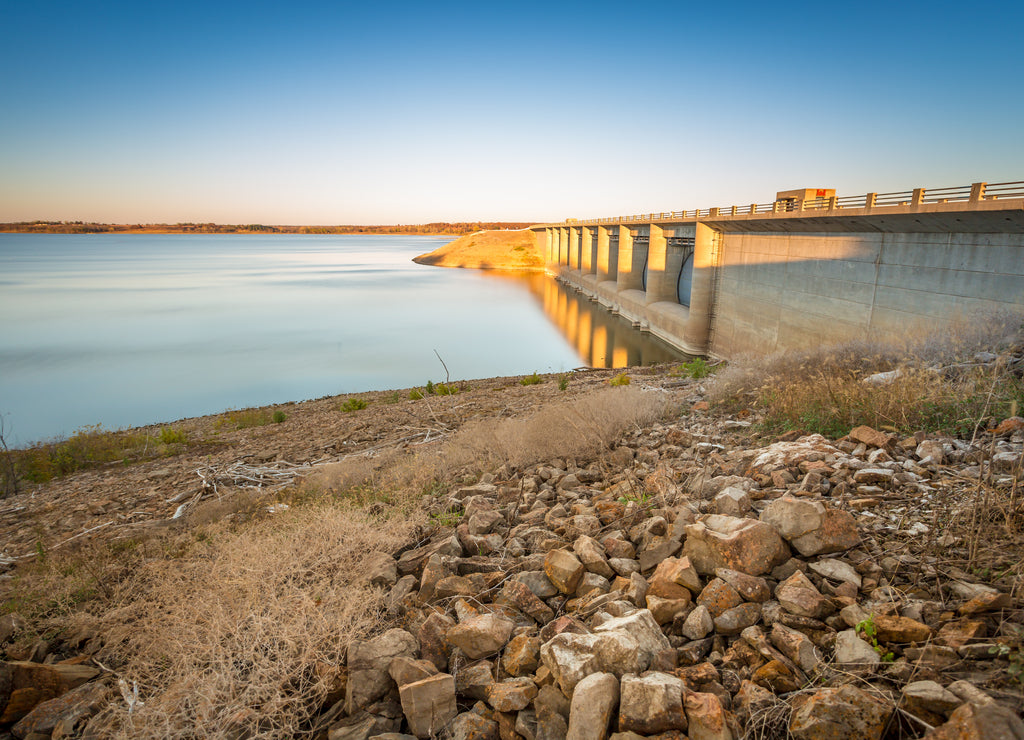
column 123, row 330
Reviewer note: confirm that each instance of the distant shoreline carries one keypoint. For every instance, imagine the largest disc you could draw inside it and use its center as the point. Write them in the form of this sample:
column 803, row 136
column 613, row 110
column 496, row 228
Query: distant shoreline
column 441, row 228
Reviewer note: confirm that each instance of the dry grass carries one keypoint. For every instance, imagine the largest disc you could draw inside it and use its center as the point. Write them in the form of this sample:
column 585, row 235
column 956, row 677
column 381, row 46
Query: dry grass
column 241, row 632
column 823, row 390
column 580, row 429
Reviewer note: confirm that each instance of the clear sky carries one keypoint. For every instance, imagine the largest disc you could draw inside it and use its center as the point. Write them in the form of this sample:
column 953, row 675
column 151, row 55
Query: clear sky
column 390, row 112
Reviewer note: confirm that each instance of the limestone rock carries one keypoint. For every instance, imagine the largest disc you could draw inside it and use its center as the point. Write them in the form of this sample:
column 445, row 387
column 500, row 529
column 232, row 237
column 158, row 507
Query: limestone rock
column 368, row 663
column 973, row 722
column 796, row 646
column 705, row 717
column 798, row 595
column 521, row 655
column 810, row 527
column 642, row 627
column 65, row 711
column 900, row 629
column 429, row 704
column 733, row 621
column 481, row 636
column 564, row 570
column 698, row 624
column 732, row 501
column 512, row 694
column 651, row 703
column 593, row 705
column 844, row 712
column 929, row 696
column 381, row 569
column 472, row 726
column 746, row 545
column 572, row 657
column 850, row 648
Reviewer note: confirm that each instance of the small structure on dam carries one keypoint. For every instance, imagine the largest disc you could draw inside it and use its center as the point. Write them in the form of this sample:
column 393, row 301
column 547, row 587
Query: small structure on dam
column 807, row 268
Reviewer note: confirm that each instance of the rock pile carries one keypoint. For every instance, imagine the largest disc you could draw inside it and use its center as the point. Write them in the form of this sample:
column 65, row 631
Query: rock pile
column 649, row 600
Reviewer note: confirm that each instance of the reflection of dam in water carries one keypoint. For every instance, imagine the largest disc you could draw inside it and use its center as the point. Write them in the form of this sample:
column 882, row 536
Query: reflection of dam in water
column 601, row 338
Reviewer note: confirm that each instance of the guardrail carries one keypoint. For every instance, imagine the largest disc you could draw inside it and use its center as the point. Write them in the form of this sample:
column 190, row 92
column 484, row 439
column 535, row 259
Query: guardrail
column 975, row 192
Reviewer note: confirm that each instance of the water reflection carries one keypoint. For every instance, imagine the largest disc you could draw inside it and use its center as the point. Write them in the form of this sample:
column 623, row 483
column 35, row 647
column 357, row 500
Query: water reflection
column 602, row 339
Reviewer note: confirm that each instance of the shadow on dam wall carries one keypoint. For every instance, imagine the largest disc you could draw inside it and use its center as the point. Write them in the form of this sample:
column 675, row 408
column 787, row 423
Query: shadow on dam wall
column 602, row 339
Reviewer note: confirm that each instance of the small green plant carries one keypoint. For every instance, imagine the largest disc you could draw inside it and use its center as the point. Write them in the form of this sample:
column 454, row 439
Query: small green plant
column 641, row 498
column 446, row 518
column 278, row 417
column 867, row 626
column 430, row 387
column 353, row 404
column 1016, row 657
column 563, row 381
column 696, row 368
column 619, row 380
column 170, row 436
column 415, row 394
column 531, row 380
column 393, row 397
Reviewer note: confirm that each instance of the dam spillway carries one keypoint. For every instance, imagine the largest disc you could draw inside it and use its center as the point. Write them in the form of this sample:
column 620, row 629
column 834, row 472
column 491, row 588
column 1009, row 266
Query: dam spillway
column 808, row 268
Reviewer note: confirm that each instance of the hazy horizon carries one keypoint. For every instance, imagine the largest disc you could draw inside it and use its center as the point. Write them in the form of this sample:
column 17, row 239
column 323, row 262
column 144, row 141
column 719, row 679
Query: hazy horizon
column 400, row 113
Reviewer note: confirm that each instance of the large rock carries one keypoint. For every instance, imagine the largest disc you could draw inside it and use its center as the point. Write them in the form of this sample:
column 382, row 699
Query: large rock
column 810, row 527
column 799, row 596
column 564, row 570
column 481, row 636
column 65, row 711
column 593, row 704
column 973, row 722
column 746, row 545
column 512, row 694
column 780, row 455
column 642, row 627
column 651, row 703
column 572, row 657
column 850, row 648
column 845, row 712
column 368, row 663
column 429, row 705
column 30, row 684
column 706, row 717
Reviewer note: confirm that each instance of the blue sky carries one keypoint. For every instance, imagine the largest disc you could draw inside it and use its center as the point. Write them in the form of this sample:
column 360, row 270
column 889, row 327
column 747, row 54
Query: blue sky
column 336, row 112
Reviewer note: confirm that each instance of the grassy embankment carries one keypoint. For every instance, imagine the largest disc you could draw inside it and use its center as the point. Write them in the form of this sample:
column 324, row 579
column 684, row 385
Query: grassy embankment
column 497, row 250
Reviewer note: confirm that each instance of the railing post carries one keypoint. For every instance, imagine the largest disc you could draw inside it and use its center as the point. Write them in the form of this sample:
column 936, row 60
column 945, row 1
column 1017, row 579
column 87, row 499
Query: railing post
column 918, row 197
column 803, row 205
column 753, row 208
column 777, row 206
column 832, row 203
column 713, row 212
column 978, row 192
column 734, row 210
column 869, row 200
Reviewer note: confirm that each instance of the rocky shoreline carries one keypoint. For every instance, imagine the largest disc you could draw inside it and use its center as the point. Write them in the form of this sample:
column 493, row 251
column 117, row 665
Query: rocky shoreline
column 691, row 581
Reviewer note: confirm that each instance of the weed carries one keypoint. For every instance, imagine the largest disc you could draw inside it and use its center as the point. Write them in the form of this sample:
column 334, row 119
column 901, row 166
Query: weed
column 415, row 394
column 354, row 404
column 619, row 380
column 278, row 417
column 445, row 389
column 531, row 380
column 245, row 419
column 393, row 397
column 563, row 381
column 170, row 436
column 867, row 626
column 430, row 387
column 696, row 368
column 1016, row 657
column 446, row 518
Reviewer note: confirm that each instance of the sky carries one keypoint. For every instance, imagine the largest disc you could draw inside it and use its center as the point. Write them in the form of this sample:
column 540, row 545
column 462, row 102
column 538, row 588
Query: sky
column 393, row 112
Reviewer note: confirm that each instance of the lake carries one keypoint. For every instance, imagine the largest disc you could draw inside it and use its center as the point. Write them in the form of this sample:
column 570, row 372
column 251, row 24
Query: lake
column 133, row 329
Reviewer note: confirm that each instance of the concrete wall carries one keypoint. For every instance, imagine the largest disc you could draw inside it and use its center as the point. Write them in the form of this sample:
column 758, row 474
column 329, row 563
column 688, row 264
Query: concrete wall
column 765, row 282
column 783, row 291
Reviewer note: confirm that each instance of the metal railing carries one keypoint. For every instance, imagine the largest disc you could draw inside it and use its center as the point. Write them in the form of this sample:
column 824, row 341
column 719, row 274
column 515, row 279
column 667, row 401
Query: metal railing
column 975, row 192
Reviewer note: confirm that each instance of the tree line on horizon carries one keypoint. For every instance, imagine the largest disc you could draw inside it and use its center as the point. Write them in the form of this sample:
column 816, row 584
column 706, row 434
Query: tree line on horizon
column 84, row 227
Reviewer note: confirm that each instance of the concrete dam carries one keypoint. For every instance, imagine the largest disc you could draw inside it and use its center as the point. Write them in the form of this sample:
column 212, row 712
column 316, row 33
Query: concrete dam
column 807, row 269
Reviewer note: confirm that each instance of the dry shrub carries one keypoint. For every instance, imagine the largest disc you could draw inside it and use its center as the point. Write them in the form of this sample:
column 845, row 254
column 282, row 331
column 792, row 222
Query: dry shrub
column 241, row 635
column 823, row 389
